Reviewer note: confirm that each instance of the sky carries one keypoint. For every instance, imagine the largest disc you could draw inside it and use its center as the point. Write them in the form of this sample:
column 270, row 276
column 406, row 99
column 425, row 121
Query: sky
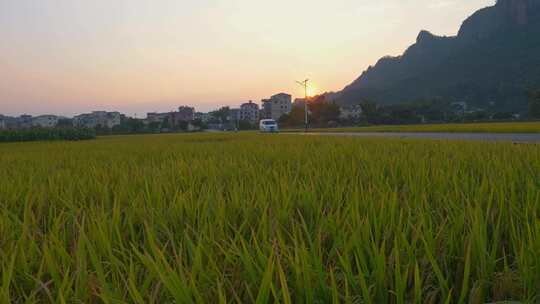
column 136, row 56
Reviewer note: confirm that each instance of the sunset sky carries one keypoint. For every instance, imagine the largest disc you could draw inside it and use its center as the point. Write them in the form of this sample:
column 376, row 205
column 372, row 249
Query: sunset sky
column 137, row 56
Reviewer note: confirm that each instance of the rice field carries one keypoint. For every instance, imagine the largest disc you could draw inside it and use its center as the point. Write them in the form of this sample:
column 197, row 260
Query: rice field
column 250, row 218
column 488, row 127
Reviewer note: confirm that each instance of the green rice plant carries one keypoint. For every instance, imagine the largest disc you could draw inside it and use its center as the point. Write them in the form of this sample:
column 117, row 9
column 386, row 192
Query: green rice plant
column 253, row 218
column 484, row 127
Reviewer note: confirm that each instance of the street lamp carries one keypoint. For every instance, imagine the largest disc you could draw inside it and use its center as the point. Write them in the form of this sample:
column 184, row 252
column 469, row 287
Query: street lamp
column 305, row 85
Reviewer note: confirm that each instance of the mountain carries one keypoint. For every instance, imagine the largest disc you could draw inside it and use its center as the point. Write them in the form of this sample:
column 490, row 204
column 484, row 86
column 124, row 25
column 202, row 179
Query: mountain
column 494, row 60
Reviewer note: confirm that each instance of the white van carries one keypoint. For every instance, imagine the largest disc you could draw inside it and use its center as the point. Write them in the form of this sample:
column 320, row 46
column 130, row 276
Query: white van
column 268, row 125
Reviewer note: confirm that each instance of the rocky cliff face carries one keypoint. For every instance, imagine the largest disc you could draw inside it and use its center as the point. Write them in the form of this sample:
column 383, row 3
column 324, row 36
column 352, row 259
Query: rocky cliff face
column 495, row 55
column 519, row 11
column 505, row 14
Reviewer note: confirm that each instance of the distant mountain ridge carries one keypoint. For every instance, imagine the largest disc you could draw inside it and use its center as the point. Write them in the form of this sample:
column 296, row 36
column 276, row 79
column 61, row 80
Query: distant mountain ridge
column 494, row 60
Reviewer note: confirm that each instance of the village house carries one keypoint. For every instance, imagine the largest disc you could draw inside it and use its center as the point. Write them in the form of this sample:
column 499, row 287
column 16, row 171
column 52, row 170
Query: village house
column 353, row 112
column 21, row 122
column 277, row 106
column 156, row 117
column 184, row 114
column 249, row 112
column 45, row 121
column 98, row 118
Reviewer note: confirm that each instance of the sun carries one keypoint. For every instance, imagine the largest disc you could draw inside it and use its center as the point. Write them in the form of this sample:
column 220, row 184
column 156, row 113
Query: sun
column 311, row 91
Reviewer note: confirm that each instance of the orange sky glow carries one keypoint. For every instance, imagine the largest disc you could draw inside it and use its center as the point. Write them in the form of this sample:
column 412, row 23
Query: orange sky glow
column 137, row 56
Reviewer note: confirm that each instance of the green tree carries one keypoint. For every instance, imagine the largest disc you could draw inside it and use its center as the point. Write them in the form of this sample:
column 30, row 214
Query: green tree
column 182, row 125
column 222, row 115
column 368, row 107
column 534, row 104
column 130, row 125
column 102, row 130
column 328, row 111
column 503, row 116
column 65, row 123
column 166, row 124
column 199, row 123
column 154, row 126
column 295, row 118
column 323, row 111
column 370, row 112
column 245, row 125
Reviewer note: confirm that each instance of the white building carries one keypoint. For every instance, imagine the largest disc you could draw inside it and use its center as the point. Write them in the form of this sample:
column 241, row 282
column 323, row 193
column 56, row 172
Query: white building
column 156, row 117
column 353, row 112
column 249, row 112
column 4, row 121
column 114, row 119
column 277, row 106
column 23, row 122
column 98, row 118
column 45, row 121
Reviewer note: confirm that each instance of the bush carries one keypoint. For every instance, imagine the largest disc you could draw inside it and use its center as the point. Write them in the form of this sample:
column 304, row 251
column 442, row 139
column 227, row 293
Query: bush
column 37, row 134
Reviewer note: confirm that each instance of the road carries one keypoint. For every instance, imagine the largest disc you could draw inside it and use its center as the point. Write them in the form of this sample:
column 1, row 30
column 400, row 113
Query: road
column 511, row 137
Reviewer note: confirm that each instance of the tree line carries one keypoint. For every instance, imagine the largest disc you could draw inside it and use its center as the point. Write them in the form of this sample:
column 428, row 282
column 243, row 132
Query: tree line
column 129, row 125
column 47, row 134
column 326, row 113
column 534, row 104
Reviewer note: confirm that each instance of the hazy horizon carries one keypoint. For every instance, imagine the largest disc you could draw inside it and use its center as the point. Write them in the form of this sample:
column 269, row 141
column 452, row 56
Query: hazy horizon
column 72, row 56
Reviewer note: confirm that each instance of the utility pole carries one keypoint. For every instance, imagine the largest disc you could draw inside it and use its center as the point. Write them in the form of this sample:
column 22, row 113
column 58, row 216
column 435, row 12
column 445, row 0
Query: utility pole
column 305, row 85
